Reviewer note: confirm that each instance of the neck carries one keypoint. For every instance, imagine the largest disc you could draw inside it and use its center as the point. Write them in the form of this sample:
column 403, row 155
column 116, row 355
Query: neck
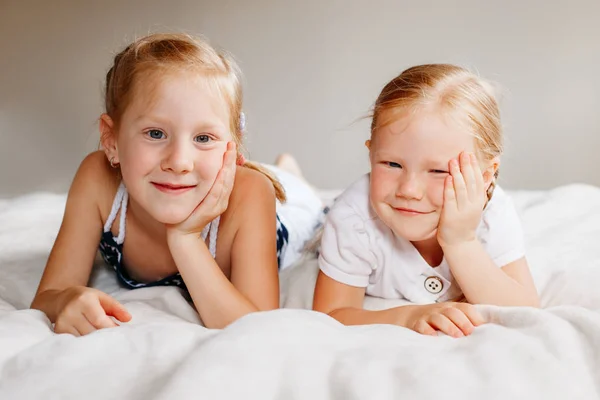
column 430, row 250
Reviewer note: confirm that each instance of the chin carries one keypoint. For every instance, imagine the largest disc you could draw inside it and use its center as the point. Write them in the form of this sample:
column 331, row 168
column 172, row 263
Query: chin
column 415, row 235
column 171, row 217
column 424, row 236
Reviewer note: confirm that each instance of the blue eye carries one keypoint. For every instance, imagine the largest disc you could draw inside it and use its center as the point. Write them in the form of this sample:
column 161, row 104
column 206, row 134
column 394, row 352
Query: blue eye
column 393, row 164
column 156, row 134
column 202, row 138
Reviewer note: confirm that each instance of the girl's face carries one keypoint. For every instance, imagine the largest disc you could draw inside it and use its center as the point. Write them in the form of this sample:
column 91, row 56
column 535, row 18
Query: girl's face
column 170, row 145
column 409, row 163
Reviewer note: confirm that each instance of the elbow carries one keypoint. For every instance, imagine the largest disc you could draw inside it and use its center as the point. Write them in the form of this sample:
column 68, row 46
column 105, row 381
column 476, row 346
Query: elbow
column 324, row 310
column 269, row 307
column 35, row 304
column 263, row 305
column 535, row 302
column 529, row 301
column 333, row 313
column 532, row 299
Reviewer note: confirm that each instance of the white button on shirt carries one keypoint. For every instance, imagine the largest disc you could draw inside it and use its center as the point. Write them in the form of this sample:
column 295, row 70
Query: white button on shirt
column 434, row 285
column 358, row 249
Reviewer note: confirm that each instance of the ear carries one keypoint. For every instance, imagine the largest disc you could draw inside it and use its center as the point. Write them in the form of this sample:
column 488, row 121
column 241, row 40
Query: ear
column 368, row 145
column 108, row 138
column 490, row 171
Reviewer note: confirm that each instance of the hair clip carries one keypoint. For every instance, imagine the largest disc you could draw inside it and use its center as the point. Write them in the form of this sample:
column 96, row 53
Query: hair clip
column 242, row 122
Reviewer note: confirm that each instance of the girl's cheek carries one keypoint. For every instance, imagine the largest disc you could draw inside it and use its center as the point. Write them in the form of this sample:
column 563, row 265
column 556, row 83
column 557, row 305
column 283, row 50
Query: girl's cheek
column 380, row 184
column 436, row 194
column 138, row 155
column 210, row 164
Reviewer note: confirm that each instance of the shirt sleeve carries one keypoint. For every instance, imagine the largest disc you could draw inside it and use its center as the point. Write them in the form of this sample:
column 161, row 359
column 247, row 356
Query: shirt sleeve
column 345, row 252
column 503, row 234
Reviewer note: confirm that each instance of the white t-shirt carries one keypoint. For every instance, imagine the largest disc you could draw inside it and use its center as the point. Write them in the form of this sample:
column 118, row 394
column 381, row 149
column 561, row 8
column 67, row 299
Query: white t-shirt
column 358, row 249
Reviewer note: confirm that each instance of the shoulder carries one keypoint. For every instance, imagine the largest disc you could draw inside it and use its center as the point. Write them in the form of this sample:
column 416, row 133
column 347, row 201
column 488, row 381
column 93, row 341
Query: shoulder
column 96, row 170
column 500, row 230
column 351, row 223
column 251, row 186
column 252, row 194
column 499, row 208
column 347, row 253
column 353, row 203
column 95, row 180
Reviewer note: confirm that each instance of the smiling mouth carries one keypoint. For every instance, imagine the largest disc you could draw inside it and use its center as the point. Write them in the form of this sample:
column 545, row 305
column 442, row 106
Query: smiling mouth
column 169, row 188
column 409, row 211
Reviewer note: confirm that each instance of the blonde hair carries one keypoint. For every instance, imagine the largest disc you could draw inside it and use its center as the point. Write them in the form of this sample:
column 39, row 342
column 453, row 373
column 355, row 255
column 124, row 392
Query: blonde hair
column 458, row 93
column 162, row 52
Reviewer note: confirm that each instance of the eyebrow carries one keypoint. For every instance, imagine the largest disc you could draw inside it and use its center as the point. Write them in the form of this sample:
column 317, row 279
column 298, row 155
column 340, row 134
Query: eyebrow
column 160, row 120
column 429, row 162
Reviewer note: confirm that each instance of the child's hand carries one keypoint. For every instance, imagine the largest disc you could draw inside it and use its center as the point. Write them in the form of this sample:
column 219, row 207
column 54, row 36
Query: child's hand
column 453, row 319
column 464, row 200
column 83, row 310
column 215, row 202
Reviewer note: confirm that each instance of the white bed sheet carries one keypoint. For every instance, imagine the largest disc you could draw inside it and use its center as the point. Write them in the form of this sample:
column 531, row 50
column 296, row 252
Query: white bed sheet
column 164, row 353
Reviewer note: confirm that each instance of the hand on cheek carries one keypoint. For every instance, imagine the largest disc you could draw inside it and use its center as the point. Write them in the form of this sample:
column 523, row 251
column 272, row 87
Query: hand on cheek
column 464, row 199
column 216, row 201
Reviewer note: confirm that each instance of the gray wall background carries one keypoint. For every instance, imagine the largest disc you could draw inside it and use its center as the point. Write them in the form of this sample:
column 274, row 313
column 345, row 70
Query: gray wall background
column 312, row 68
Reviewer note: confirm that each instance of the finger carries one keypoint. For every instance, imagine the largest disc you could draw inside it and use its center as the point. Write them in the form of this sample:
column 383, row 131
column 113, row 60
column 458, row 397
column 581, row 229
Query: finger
column 466, row 168
column 449, row 193
column 230, row 162
column 113, row 308
column 479, row 181
column 424, row 328
column 97, row 317
column 84, row 326
column 471, row 312
column 443, row 323
column 224, row 181
column 459, row 184
column 69, row 329
column 459, row 319
column 230, row 154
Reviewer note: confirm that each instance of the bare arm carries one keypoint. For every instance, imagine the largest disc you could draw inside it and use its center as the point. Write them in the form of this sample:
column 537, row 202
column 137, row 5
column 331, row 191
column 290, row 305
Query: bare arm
column 482, row 282
column 254, row 284
column 72, row 256
column 345, row 304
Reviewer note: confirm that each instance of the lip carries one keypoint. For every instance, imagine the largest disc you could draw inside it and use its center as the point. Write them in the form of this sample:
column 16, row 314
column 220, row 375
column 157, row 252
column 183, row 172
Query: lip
column 410, row 211
column 173, row 188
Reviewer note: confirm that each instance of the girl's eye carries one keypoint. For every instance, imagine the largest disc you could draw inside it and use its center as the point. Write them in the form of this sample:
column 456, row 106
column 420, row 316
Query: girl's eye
column 202, row 138
column 156, row 134
column 393, row 164
column 439, row 171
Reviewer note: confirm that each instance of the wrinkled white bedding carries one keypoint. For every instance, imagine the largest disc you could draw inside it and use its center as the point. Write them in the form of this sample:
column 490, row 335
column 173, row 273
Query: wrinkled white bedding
column 553, row 353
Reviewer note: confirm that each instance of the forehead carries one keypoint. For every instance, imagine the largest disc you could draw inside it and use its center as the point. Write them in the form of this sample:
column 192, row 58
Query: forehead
column 178, row 93
column 425, row 133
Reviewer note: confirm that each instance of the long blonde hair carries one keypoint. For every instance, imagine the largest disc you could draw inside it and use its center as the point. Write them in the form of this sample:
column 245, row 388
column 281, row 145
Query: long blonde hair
column 458, row 93
column 162, row 52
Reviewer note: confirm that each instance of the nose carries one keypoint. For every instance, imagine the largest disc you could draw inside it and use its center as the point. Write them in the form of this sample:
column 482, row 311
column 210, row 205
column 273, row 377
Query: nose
column 410, row 187
column 178, row 158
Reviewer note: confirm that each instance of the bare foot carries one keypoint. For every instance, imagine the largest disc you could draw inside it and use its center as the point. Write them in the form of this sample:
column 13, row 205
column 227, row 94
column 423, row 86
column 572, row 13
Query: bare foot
column 288, row 163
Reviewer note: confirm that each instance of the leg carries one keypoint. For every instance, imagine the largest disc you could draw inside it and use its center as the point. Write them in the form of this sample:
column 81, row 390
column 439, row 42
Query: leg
column 287, row 162
column 302, row 212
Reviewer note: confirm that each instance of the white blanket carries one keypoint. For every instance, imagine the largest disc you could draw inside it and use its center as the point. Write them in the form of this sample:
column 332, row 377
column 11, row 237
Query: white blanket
column 163, row 353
